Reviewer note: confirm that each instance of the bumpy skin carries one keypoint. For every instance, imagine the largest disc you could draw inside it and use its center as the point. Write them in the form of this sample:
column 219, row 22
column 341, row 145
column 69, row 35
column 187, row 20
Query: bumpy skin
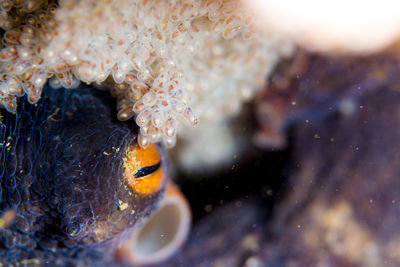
column 61, row 172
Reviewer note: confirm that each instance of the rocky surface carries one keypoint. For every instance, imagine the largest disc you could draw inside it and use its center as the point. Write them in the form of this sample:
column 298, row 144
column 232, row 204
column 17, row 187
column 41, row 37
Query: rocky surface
column 339, row 200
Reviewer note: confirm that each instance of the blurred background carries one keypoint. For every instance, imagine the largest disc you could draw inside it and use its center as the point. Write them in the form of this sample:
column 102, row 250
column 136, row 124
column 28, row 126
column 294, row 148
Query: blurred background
column 318, row 184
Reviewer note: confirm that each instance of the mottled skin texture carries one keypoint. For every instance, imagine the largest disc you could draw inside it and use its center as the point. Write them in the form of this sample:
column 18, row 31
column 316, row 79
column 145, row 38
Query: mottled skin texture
column 61, row 172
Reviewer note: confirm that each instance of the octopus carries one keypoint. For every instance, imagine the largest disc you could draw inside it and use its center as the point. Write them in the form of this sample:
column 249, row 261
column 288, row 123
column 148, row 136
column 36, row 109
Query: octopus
column 75, row 186
column 77, row 190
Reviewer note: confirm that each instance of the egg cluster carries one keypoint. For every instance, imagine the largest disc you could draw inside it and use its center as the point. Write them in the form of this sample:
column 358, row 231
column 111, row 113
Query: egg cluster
column 27, row 29
column 170, row 64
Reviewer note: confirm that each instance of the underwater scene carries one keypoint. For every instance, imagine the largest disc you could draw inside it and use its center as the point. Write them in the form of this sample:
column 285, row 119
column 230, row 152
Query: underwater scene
column 217, row 133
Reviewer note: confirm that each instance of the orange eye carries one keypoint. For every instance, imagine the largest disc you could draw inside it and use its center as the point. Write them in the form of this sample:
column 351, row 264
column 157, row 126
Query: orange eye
column 142, row 169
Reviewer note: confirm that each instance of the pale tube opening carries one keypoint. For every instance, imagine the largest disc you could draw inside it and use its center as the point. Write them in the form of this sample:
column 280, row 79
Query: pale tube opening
column 162, row 234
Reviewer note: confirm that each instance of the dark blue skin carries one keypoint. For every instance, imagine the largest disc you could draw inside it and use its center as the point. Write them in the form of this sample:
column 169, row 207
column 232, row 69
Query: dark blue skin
column 61, row 172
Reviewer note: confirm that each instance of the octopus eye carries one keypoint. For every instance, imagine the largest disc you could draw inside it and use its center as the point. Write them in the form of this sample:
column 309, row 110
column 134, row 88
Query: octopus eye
column 143, row 169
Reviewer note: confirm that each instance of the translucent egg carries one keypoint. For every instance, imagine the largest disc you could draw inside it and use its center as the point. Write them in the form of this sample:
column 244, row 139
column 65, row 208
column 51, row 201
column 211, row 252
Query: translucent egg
column 138, row 106
column 169, row 142
column 157, row 118
column 125, row 114
column 118, row 75
column 8, row 53
column 143, row 141
column 149, row 99
column 20, row 66
column 55, row 83
column 10, row 103
column 11, row 37
column 143, row 118
column 39, row 78
column 170, row 127
column 154, row 135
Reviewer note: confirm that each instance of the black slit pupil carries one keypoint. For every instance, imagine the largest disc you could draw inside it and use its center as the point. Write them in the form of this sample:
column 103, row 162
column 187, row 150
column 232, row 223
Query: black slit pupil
column 147, row 170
